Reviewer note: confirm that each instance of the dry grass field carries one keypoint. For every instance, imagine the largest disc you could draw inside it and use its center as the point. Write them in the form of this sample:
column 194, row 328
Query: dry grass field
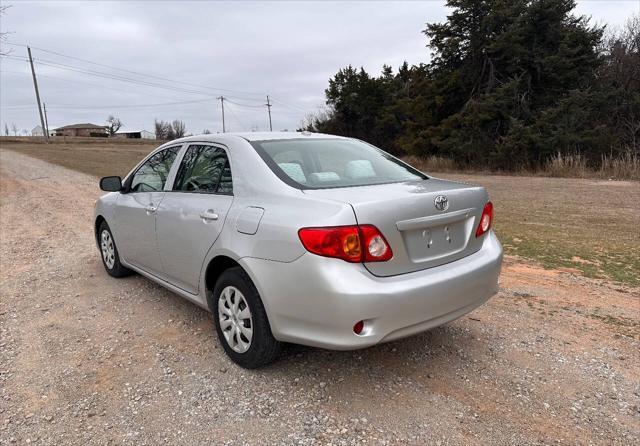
column 586, row 226
column 94, row 156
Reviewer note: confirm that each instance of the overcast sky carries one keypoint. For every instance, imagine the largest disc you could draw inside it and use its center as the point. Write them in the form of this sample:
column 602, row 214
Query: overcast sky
column 192, row 52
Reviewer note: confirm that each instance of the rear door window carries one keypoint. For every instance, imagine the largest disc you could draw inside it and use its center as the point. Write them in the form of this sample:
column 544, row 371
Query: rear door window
column 204, row 169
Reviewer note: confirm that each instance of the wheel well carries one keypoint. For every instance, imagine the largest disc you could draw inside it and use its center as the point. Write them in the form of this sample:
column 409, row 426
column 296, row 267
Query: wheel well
column 96, row 228
column 216, row 267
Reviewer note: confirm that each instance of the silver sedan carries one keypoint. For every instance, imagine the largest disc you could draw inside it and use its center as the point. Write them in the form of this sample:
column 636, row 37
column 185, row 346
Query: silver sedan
column 304, row 238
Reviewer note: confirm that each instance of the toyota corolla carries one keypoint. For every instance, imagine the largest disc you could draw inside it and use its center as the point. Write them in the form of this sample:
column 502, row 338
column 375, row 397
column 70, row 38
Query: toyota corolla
column 304, row 238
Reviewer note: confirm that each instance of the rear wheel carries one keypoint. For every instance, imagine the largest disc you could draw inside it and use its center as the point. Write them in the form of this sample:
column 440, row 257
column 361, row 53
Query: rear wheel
column 241, row 321
column 109, row 252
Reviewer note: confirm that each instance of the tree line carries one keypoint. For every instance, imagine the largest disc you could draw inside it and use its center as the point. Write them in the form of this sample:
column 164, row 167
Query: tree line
column 169, row 130
column 509, row 85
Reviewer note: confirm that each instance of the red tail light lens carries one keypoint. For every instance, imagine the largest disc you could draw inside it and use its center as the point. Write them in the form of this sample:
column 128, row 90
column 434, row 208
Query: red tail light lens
column 342, row 242
column 485, row 219
column 354, row 244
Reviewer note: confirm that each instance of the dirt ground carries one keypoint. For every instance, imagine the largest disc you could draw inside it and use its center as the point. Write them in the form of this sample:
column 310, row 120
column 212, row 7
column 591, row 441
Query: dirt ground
column 554, row 358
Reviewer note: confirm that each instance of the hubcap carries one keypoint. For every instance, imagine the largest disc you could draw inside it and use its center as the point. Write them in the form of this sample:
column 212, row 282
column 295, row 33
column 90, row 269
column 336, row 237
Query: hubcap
column 108, row 249
column 235, row 319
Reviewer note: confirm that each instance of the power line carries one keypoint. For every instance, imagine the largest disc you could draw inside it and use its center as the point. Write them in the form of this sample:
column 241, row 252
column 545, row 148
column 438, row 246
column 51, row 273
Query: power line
column 116, row 77
column 289, row 105
column 163, row 104
column 76, row 82
column 242, row 126
column 17, row 106
column 146, row 75
column 146, row 83
column 243, row 105
column 61, row 106
column 71, row 106
column 103, row 75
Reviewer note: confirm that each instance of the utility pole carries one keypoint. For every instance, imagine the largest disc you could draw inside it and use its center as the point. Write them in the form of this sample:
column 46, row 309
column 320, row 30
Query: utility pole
column 35, row 84
column 222, row 103
column 46, row 121
column 269, row 109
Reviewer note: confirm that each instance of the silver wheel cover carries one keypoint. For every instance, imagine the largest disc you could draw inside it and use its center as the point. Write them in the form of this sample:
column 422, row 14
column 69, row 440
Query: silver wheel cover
column 235, row 318
column 108, row 249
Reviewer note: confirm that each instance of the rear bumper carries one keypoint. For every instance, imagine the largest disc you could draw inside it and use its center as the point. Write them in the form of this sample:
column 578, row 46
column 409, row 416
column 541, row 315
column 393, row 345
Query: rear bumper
column 316, row 300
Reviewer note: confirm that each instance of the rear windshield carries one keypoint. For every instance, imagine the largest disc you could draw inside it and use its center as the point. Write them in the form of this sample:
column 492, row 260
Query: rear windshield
column 325, row 163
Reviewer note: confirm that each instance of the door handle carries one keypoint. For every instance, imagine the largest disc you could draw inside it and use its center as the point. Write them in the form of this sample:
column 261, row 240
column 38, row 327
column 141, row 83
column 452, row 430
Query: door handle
column 151, row 209
column 209, row 215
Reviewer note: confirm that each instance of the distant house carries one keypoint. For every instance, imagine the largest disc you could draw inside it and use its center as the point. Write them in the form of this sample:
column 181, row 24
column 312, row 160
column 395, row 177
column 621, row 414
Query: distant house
column 83, row 130
column 37, row 131
column 136, row 134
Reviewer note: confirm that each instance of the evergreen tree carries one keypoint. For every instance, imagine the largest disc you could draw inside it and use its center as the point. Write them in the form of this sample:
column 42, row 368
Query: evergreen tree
column 510, row 84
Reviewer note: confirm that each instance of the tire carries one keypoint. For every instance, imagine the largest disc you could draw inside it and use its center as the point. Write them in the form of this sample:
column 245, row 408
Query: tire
column 109, row 253
column 234, row 287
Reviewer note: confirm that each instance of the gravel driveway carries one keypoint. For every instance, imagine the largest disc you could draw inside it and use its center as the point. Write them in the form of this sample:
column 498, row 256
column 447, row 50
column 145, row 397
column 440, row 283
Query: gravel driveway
column 87, row 359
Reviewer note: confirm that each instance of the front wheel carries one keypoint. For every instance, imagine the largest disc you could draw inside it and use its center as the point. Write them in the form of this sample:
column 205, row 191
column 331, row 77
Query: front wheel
column 241, row 321
column 109, row 252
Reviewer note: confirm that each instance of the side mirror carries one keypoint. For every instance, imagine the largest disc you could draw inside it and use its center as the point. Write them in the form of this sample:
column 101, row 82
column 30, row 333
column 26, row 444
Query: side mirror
column 111, row 184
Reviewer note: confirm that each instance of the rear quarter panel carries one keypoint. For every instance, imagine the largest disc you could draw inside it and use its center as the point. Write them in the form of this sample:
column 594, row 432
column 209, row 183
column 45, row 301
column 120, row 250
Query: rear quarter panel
column 277, row 235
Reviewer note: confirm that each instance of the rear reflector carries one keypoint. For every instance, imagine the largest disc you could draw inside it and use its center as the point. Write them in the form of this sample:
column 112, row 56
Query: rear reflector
column 358, row 327
column 485, row 219
column 356, row 243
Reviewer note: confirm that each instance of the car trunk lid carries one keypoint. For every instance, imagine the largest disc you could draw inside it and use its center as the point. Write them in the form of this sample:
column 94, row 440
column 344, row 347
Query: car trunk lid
column 421, row 236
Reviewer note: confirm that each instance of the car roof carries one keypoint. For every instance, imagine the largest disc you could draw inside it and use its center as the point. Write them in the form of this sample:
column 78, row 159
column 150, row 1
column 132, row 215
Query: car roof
column 253, row 136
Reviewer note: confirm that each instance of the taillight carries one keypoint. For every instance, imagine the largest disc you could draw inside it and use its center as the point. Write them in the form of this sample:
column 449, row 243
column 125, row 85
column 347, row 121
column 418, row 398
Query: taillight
column 363, row 243
column 375, row 247
column 485, row 219
column 342, row 242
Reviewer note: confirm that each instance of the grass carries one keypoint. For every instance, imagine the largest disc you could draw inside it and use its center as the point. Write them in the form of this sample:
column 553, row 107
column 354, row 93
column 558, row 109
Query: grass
column 622, row 167
column 589, row 226
column 94, row 156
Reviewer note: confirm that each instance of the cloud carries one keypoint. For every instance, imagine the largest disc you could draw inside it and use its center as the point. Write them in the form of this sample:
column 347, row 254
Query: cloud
column 285, row 49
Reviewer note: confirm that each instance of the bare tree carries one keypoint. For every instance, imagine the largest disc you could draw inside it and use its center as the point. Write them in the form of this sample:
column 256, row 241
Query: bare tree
column 313, row 120
column 621, row 70
column 113, row 125
column 6, row 129
column 158, row 127
column 168, row 131
column 14, row 129
column 179, row 128
column 206, row 132
column 164, row 130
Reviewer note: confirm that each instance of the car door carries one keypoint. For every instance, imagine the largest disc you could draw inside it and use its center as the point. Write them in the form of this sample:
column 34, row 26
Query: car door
column 190, row 217
column 135, row 213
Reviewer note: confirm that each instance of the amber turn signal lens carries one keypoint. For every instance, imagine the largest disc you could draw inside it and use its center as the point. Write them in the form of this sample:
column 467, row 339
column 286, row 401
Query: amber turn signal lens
column 351, row 245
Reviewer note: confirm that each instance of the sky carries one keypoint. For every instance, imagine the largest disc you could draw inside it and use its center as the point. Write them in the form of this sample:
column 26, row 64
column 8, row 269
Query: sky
column 147, row 60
